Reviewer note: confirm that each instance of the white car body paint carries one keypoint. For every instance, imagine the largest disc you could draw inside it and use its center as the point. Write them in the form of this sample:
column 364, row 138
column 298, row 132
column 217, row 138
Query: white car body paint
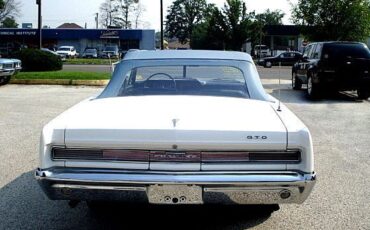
column 180, row 124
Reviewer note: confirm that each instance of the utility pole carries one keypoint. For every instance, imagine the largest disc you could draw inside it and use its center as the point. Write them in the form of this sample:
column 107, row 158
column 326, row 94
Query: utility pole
column 162, row 35
column 38, row 2
column 97, row 20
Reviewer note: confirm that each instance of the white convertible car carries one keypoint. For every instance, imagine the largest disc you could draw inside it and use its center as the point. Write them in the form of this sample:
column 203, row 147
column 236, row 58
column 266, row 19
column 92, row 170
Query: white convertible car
column 179, row 127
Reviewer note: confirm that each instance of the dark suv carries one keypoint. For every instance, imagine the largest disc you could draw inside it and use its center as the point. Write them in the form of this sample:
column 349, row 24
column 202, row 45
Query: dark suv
column 336, row 65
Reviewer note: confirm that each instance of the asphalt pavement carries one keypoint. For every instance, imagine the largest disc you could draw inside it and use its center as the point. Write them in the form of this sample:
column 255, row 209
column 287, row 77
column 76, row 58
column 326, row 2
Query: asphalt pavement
column 340, row 126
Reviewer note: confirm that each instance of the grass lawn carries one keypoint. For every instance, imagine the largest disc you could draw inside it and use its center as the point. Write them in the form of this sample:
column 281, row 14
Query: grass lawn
column 89, row 61
column 63, row 75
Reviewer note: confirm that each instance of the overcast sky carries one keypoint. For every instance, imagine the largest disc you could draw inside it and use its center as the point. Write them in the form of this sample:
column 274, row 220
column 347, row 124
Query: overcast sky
column 56, row 12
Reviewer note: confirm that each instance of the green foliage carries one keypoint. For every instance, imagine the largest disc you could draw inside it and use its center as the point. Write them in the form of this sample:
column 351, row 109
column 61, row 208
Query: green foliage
column 62, row 75
column 9, row 9
column 9, row 22
column 333, row 20
column 38, row 60
column 225, row 29
column 183, row 16
column 2, row 4
column 119, row 13
column 270, row 17
column 90, row 61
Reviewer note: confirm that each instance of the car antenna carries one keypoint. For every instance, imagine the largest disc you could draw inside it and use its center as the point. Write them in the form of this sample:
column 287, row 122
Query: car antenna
column 279, row 97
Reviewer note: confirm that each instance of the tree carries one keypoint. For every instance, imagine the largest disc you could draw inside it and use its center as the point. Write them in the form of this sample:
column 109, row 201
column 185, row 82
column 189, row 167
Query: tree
column 183, row 16
column 333, row 20
column 124, row 8
column 260, row 21
column 139, row 9
column 237, row 22
column 108, row 13
column 270, row 17
column 9, row 22
column 211, row 33
column 2, row 4
column 9, row 9
column 121, row 13
column 226, row 28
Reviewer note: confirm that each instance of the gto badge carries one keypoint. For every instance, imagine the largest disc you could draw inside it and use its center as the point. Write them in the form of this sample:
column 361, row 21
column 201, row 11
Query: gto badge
column 257, row 137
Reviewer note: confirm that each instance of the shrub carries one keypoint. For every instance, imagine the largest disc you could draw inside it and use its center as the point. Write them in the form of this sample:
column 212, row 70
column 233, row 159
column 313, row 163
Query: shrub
column 38, row 60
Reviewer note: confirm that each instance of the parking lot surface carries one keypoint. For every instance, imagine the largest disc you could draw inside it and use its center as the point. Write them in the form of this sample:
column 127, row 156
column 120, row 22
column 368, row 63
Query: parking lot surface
column 340, row 126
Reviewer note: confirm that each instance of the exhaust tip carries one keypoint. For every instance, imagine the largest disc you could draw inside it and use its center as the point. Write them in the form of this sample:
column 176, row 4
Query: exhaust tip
column 285, row 194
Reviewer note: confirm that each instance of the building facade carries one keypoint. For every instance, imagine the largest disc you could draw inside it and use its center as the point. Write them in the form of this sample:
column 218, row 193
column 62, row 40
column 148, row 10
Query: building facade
column 13, row 39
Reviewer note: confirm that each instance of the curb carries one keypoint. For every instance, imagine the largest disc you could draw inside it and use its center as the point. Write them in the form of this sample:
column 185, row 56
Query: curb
column 59, row 82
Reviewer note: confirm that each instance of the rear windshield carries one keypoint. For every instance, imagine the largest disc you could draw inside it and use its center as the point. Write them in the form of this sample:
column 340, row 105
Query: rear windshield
column 346, row 51
column 185, row 80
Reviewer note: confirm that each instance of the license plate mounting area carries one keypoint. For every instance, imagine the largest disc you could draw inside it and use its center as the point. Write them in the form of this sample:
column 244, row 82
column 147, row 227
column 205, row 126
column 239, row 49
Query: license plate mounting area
column 175, row 194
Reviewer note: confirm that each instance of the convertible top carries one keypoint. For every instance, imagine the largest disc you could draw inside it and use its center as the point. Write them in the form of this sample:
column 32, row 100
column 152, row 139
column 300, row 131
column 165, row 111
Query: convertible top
column 187, row 54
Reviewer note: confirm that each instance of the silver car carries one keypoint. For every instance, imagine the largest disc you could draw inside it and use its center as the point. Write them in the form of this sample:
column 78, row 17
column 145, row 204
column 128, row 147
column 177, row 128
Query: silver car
column 8, row 68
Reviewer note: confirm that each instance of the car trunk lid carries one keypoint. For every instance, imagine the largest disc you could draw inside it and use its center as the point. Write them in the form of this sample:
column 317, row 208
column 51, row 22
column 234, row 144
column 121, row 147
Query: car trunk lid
column 177, row 125
column 190, row 122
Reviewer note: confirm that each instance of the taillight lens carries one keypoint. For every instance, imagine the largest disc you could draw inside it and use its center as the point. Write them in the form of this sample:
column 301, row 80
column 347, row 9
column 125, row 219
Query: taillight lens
column 286, row 156
column 290, row 156
column 112, row 155
column 225, row 156
column 178, row 156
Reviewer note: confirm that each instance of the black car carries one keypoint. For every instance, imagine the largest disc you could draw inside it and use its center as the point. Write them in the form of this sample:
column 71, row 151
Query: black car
column 286, row 59
column 340, row 66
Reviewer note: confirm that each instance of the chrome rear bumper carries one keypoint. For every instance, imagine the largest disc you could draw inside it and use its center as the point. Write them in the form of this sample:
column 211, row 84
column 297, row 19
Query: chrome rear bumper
column 217, row 187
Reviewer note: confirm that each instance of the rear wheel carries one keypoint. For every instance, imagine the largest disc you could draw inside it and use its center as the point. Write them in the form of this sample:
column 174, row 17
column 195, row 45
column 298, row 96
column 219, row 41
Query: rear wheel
column 4, row 80
column 363, row 94
column 268, row 64
column 296, row 83
column 313, row 89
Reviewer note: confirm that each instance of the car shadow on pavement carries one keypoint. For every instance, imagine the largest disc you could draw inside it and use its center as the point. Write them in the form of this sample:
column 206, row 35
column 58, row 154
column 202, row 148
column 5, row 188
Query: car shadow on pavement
column 23, row 205
column 300, row 97
column 119, row 216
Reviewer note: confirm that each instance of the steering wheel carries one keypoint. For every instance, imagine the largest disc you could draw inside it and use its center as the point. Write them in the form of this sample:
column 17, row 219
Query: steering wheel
column 164, row 74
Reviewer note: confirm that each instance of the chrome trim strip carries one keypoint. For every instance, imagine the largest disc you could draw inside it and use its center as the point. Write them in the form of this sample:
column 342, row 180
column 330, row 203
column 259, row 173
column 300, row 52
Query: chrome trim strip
column 217, row 187
column 97, row 187
column 150, row 177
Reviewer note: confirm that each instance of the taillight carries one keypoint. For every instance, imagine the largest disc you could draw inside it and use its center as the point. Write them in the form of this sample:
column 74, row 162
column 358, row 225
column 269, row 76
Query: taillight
column 290, row 156
column 225, row 156
column 176, row 156
column 111, row 155
column 286, row 156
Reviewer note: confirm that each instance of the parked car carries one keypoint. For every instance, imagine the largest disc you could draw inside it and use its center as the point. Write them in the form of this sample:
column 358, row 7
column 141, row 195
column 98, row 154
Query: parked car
column 110, row 52
column 90, row 53
column 261, row 51
column 67, row 51
column 212, row 135
column 285, row 59
column 63, row 58
column 8, row 68
column 333, row 65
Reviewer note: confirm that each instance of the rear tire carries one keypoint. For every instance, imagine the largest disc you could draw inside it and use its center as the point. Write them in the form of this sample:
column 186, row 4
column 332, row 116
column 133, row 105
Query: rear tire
column 4, row 80
column 268, row 64
column 363, row 94
column 313, row 89
column 296, row 83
